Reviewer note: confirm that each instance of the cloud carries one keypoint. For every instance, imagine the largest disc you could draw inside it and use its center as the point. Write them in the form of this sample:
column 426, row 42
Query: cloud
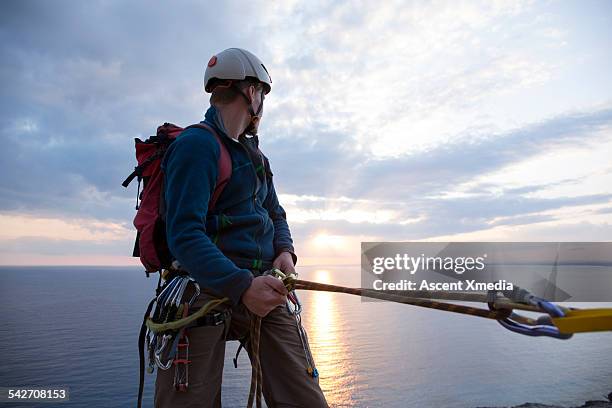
column 60, row 247
column 375, row 73
column 343, row 172
column 18, row 226
column 82, row 80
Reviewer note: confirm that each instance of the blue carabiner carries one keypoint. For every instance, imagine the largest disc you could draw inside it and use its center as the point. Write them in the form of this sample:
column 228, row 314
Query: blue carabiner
column 550, row 308
column 534, row 331
column 538, row 330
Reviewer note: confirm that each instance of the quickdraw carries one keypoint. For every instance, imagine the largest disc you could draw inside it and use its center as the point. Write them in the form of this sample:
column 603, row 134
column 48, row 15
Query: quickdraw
column 162, row 344
column 294, row 307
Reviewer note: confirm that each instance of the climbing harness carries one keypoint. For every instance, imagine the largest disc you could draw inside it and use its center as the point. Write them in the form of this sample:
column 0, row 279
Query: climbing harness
column 166, row 326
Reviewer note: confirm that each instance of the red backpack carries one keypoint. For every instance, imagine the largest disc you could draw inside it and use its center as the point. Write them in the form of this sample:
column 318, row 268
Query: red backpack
column 151, row 245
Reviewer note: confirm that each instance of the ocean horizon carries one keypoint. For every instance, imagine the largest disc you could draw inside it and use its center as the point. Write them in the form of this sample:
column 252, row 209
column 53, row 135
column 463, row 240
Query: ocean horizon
column 77, row 327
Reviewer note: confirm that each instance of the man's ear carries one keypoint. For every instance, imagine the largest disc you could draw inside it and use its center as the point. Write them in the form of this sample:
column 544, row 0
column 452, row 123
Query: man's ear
column 252, row 91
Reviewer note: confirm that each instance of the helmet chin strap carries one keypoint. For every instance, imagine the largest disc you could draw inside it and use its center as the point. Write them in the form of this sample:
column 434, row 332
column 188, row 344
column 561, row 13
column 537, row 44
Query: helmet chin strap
column 251, row 128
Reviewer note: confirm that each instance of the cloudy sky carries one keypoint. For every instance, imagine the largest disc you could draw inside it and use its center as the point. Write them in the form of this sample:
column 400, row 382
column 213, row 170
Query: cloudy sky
column 387, row 120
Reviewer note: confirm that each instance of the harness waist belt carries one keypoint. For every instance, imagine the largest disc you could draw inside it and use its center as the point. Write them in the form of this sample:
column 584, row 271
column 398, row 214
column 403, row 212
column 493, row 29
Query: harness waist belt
column 211, row 319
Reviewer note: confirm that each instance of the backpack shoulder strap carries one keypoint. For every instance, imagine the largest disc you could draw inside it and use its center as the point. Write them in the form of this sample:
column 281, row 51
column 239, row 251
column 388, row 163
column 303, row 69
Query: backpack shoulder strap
column 267, row 167
column 224, row 164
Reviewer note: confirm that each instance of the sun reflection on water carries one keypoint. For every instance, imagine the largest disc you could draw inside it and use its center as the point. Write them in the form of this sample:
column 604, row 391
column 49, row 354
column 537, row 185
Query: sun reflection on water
column 326, row 332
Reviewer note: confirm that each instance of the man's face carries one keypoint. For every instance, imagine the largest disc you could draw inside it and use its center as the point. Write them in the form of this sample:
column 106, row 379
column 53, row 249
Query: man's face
column 257, row 97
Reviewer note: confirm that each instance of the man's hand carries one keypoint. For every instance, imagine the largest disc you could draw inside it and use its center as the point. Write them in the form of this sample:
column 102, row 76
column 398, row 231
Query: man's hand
column 265, row 293
column 284, row 262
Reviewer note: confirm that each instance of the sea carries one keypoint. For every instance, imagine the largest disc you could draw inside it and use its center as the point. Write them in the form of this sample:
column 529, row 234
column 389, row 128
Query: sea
column 77, row 327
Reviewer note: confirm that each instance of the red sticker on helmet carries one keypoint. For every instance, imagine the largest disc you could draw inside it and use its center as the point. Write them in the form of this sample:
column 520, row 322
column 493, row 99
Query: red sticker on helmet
column 212, row 61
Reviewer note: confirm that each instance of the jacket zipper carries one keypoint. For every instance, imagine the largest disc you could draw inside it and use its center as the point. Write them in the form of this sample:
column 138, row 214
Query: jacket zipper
column 258, row 231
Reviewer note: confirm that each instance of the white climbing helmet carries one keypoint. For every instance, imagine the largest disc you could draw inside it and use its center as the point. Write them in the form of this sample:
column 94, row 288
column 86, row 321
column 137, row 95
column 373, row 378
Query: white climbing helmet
column 236, row 64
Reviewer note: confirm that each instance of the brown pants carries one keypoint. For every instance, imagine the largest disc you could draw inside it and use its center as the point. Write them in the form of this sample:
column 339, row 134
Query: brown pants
column 286, row 382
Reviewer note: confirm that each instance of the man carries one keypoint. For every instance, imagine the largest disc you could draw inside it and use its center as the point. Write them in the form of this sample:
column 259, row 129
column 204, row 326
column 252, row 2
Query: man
column 227, row 249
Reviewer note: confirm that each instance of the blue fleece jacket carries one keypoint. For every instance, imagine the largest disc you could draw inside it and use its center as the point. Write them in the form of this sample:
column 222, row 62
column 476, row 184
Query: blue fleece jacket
column 246, row 230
